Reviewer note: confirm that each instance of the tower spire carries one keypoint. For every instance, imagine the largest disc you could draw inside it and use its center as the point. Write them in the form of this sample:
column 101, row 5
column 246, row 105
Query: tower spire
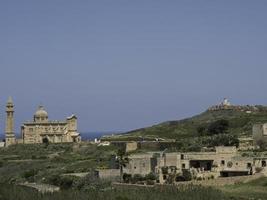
column 10, row 101
column 10, row 135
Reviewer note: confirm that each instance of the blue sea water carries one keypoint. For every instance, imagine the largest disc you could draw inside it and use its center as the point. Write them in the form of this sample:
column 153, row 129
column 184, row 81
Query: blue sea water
column 93, row 135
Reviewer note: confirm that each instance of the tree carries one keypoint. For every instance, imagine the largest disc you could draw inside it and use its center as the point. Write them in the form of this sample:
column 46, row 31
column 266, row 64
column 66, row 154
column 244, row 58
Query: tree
column 45, row 141
column 262, row 144
column 222, row 140
column 218, row 127
column 201, row 130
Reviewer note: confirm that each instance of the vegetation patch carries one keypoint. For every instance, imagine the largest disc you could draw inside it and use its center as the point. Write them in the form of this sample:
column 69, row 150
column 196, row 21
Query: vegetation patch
column 190, row 192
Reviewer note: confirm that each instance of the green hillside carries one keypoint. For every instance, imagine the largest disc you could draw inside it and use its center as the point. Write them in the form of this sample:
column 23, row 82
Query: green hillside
column 239, row 123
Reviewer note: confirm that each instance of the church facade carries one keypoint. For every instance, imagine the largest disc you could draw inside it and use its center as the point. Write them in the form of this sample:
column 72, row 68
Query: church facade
column 42, row 130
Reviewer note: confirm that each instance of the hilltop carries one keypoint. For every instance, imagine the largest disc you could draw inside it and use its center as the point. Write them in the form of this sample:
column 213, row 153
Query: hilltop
column 240, row 120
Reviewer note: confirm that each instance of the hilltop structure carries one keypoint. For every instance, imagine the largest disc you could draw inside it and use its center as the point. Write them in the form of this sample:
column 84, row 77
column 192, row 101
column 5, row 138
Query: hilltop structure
column 41, row 130
column 226, row 105
column 9, row 133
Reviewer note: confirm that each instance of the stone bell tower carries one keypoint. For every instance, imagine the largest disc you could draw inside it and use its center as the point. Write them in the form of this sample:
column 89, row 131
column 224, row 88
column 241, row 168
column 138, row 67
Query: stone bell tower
column 10, row 135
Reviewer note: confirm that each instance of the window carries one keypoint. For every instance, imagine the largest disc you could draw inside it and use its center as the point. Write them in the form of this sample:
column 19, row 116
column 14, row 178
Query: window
column 229, row 164
column 183, row 166
column 263, row 163
column 248, row 165
column 182, row 156
column 222, row 162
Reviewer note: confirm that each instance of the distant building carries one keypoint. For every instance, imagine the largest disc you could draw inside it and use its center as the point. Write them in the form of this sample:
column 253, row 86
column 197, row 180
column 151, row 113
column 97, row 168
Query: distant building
column 41, row 130
column 226, row 102
column 226, row 105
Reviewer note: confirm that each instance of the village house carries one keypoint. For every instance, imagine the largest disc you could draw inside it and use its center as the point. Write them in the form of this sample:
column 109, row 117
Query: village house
column 223, row 162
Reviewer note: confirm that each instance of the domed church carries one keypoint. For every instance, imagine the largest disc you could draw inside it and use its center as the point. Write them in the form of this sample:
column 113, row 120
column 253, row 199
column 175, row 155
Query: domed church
column 42, row 130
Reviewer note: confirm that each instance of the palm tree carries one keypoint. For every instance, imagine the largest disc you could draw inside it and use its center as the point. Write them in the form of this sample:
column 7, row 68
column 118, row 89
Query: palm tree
column 122, row 159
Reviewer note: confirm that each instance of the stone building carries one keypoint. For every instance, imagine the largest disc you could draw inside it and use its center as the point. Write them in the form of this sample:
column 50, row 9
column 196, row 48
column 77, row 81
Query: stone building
column 141, row 164
column 223, row 161
column 42, row 130
column 202, row 163
column 9, row 133
column 259, row 134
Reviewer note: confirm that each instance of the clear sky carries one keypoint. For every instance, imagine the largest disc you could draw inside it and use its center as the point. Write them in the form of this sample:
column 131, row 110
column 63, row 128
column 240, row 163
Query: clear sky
column 121, row 64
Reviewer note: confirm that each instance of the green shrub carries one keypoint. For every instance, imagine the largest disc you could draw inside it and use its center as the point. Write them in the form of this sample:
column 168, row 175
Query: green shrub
column 187, row 175
column 218, row 127
column 150, row 182
column 91, row 182
column 137, row 178
column 53, row 180
column 164, row 170
column 29, row 175
column 126, row 178
column 151, row 176
column 66, row 182
column 188, row 192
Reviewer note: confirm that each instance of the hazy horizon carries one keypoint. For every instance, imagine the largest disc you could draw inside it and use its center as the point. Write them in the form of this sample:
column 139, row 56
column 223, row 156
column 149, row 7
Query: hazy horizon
column 123, row 65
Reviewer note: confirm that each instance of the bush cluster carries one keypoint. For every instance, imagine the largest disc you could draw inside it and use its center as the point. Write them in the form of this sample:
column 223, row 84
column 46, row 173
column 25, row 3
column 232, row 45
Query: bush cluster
column 217, row 127
column 188, row 192
column 149, row 179
column 64, row 182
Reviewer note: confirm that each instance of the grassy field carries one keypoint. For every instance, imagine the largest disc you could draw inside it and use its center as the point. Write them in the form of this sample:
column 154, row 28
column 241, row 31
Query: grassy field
column 256, row 190
column 42, row 163
column 8, row 192
column 38, row 162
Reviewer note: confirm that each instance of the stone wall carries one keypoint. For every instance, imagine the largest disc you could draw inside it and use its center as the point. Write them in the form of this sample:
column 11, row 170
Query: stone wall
column 2, row 144
column 108, row 173
column 131, row 146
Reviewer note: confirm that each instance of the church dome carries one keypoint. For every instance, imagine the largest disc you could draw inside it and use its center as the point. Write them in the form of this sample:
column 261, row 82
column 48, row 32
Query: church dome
column 41, row 112
column 41, row 115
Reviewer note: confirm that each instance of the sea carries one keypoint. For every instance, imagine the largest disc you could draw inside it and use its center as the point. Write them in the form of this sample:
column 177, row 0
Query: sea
column 93, row 135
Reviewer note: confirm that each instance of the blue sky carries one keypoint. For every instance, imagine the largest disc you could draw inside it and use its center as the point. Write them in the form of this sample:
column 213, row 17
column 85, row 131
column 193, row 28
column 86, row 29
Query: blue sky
column 120, row 65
